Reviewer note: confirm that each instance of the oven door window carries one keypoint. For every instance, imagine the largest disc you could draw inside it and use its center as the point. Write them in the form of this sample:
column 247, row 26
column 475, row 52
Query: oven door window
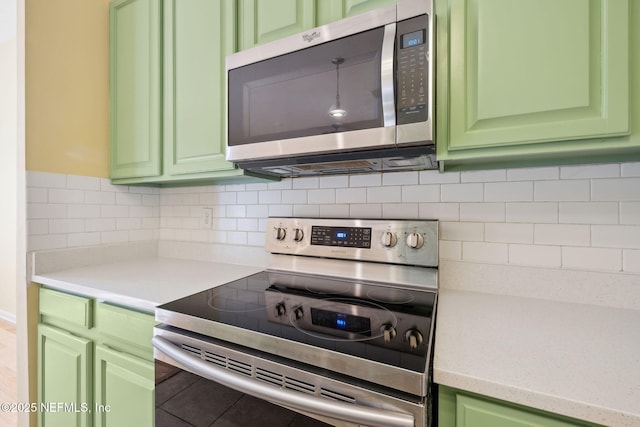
column 328, row 88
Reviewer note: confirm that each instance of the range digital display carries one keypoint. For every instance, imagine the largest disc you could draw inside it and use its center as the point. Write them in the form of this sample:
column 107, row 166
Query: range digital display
column 352, row 237
column 341, row 321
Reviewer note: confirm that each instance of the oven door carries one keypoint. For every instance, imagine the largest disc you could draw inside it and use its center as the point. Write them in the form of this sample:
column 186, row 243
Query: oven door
column 329, row 398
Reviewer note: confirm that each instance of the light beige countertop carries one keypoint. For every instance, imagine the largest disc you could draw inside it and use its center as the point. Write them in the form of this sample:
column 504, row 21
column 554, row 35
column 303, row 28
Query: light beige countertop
column 580, row 360
column 133, row 276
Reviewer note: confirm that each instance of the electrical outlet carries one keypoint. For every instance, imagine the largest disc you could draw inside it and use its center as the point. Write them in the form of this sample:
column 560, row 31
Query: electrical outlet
column 207, row 217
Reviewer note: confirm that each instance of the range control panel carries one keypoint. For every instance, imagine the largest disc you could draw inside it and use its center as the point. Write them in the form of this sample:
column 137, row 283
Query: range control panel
column 407, row 242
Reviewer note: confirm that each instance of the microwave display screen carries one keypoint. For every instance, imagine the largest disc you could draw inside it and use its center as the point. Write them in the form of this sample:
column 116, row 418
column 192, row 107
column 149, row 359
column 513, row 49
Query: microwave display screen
column 413, row 39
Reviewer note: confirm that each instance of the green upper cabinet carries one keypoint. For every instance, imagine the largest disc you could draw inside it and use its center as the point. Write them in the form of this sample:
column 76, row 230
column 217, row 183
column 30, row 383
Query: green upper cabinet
column 533, row 79
column 135, row 73
column 168, row 120
column 262, row 21
column 332, row 10
column 197, row 37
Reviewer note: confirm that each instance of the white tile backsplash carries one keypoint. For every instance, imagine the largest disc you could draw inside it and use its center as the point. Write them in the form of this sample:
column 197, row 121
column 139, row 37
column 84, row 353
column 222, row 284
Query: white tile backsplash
column 567, row 218
column 66, row 211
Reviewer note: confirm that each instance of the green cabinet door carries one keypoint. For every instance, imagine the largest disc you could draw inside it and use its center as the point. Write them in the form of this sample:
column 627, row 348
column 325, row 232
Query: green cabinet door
column 528, row 73
column 333, row 10
column 198, row 34
column 124, row 390
column 135, row 79
column 64, row 378
column 262, row 21
column 461, row 409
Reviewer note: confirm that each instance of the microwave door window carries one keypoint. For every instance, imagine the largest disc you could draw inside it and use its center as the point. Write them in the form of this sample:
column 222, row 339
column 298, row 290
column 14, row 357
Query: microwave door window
column 328, row 88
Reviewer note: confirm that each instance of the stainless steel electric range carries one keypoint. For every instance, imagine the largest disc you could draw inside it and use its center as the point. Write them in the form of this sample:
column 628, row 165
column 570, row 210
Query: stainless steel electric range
column 339, row 327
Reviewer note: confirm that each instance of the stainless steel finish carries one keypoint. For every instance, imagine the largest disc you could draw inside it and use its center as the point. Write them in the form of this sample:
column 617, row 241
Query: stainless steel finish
column 333, row 31
column 396, row 378
column 398, row 276
column 386, row 75
column 382, row 320
column 299, row 374
column 327, row 143
column 425, row 255
column 408, row 9
column 265, row 157
column 286, row 385
column 415, row 132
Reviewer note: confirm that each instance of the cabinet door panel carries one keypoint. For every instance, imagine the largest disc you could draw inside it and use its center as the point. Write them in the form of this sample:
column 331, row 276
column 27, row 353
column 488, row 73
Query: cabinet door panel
column 124, row 393
column 537, row 71
column 198, row 34
column 64, row 376
column 333, row 10
column 135, row 61
column 473, row 412
column 266, row 20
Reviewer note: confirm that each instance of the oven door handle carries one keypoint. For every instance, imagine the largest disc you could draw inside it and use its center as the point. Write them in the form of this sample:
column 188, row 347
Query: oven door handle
column 290, row 399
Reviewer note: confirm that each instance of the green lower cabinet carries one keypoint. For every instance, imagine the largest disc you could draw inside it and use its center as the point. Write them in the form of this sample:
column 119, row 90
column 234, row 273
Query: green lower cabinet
column 461, row 409
column 95, row 363
column 64, row 378
column 124, row 389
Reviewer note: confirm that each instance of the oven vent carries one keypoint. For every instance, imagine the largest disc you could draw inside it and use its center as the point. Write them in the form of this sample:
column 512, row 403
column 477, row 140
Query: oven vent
column 192, row 349
column 269, row 377
column 337, row 396
column 284, row 381
column 297, row 385
column 265, row 375
column 239, row 367
column 216, row 359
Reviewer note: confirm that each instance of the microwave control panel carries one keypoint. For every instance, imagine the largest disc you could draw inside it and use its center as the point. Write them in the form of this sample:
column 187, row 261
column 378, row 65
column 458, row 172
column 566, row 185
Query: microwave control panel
column 412, row 75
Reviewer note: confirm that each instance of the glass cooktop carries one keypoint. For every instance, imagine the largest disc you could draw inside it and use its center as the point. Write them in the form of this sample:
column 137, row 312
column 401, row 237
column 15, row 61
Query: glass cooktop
column 386, row 324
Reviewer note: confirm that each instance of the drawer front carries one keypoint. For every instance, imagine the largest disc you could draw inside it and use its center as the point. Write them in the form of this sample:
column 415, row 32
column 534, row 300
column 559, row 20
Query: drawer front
column 73, row 309
column 125, row 326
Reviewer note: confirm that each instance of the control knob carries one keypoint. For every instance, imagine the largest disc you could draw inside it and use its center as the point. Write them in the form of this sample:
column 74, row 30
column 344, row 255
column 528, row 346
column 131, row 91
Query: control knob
column 414, row 337
column 415, row 240
column 388, row 332
column 281, row 310
column 389, row 239
column 298, row 313
column 298, row 234
column 279, row 233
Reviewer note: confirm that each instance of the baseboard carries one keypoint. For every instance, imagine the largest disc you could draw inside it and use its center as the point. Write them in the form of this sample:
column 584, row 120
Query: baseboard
column 9, row 317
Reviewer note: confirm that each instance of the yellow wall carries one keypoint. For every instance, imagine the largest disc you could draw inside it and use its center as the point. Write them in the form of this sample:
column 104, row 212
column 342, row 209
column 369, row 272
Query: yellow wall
column 67, row 86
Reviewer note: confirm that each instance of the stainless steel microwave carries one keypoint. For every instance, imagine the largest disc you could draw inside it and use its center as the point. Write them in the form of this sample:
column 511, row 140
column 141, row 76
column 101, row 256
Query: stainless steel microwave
column 352, row 96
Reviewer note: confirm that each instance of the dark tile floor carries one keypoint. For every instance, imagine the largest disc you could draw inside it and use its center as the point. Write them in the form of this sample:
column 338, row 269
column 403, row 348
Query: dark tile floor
column 185, row 399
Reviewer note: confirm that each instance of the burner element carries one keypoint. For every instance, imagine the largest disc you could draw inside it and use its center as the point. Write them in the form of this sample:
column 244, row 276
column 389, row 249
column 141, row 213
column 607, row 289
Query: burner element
column 390, row 296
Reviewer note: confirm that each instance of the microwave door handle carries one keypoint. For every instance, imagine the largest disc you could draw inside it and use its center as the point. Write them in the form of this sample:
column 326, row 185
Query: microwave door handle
column 281, row 396
column 387, row 58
